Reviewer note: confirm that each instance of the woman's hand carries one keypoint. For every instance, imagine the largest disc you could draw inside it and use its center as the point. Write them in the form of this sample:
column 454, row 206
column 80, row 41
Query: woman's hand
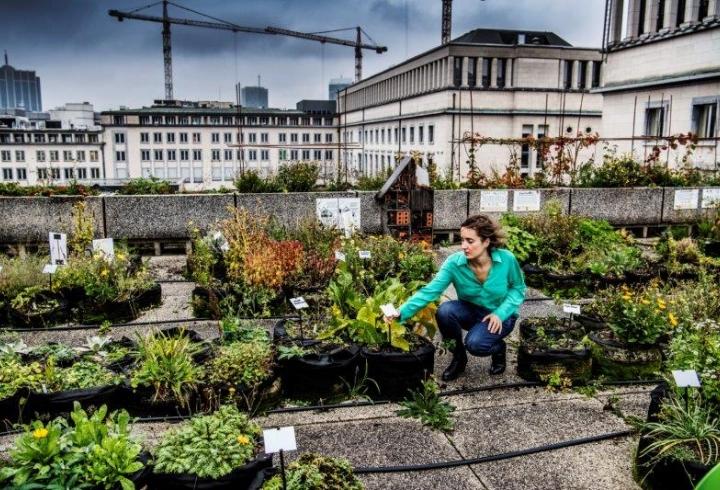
column 494, row 323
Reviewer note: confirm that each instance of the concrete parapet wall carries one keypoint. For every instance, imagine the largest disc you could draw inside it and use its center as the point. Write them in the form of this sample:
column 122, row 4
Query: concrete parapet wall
column 620, row 206
column 560, row 195
column 674, row 209
column 450, row 208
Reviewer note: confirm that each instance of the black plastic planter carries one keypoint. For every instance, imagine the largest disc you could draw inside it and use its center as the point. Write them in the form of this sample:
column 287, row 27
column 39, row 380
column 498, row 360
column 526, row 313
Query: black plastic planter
column 119, row 311
column 620, row 361
column 12, row 409
column 591, row 324
column 61, row 402
column 315, row 375
column 239, row 479
column 711, row 248
column 44, row 317
column 397, row 372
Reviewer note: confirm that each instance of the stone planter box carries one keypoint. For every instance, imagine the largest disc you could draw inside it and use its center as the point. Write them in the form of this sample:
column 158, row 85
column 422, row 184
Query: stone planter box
column 476, row 200
column 678, row 209
column 449, row 209
column 31, row 219
column 163, row 217
column 619, row 206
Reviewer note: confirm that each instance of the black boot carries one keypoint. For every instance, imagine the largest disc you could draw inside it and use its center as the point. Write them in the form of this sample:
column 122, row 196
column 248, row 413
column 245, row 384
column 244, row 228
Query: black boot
column 498, row 360
column 456, row 367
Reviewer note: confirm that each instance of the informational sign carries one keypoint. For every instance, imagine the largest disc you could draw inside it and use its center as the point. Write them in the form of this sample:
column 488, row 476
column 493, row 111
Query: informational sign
column 58, row 248
column 0, row 268
column 50, row 269
column 106, row 246
column 686, row 198
column 364, row 254
column 342, row 213
column 222, row 243
column 686, row 378
column 572, row 309
column 299, row 303
column 389, row 310
column 711, row 198
column 340, row 256
column 493, row 201
column 526, row 200
column 280, row 439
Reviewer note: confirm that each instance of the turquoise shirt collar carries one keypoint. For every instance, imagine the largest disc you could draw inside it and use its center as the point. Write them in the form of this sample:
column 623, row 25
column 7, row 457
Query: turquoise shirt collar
column 494, row 255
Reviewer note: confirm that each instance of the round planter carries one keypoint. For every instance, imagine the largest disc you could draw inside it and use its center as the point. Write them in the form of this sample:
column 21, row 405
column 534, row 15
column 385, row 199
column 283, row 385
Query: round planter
column 61, row 402
column 711, row 248
column 528, row 327
column 239, row 478
column 121, row 311
column 315, row 375
column 591, row 323
column 618, row 361
column 397, row 372
column 45, row 317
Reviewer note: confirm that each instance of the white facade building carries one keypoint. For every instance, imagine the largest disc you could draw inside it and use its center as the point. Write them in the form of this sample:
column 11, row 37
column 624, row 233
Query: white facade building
column 75, row 115
column 662, row 76
column 496, row 83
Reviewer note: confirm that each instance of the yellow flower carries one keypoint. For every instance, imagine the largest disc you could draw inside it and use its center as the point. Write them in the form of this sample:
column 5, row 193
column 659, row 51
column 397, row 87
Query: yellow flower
column 104, row 273
column 243, row 440
column 40, row 433
column 401, row 256
column 661, row 304
column 120, row 256
column 627, row 297
column 673, row 320
column 644, row 301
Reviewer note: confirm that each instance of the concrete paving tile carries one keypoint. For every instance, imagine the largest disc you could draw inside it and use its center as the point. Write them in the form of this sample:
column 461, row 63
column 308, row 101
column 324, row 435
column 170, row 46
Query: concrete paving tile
column 349, row 414
column 629, row 400
column 455, row 479
column 509, row 397
column 176, row 298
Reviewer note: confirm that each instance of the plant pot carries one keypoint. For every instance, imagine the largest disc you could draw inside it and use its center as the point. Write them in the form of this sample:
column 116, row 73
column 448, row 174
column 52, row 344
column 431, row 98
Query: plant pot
column 121, row 311
column 46, row 316
column 711, row 248
column 591, row 323
column 238, row 479
column 315, row 375
column 640, row 276
column 398, row 372
column 528, row 327
column 61, row 402
column 618, row 361
column 139, row 402
column 12, row 409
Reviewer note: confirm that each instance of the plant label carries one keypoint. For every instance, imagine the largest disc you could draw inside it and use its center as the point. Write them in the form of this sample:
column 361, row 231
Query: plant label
column 686, row 378
column 50, row 269
column 58, row 248
column 493, row 201
column 526, row 200
column 299, row 303
column 280, row 439
column 0, row 268
column 342, row 213
column 711, row 198
column 221, row 241
column 105, row 246
column 572, row 309
column 389, row 310
column 686, row 198
column 339, row 255
column 364, row 254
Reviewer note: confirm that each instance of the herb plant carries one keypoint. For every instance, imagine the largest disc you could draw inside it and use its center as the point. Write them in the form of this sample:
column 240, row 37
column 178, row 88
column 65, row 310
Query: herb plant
column 427, row 406
column 314, row 472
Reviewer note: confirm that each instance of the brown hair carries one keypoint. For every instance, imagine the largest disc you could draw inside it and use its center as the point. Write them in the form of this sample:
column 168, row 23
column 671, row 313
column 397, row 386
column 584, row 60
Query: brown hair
column 486, row 227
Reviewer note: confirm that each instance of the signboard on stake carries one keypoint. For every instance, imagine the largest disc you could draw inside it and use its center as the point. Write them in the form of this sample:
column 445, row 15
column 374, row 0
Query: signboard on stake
column 364, row 254
column 50, row 269
column 221, row 241
column 526, row 200
column 280, row 439
column 493, row 201
column 572, row 309
column 686, row 378
column 341, row 213
column 340, row 255
column 106, row 246
column 58, row 248
column 299, row 303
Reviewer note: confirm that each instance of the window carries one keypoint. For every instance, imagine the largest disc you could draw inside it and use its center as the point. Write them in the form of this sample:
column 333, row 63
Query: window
column 680, row 13
column 412, row 134
column 5, row 155
column 144, row 137
column 431, row 134
column 145, row 155
column 92, row 138
column 471, row 72
column 457, row 71
column 252, row 155
column 328, row 138
column 184, row 155
column 68, row 156
column 264, row 155
column 704, row 9
column 317, row 154
column 196, row 137
column 39, row 138
column 93, row 155
column 158, row 155
column 421, row 134
column 215, row 155
column 55, row 173
column 54, row 155
column 264, row 137
column 157, row 137
column 7, row 174
column 382, row 135
column 660, row 16
column 567, row 74
column 82, row 173
column 94, row 173
column 119, row 138
column 227, row 137
column 197, row 155
column 404, row 134
column 395, row 135
column 654, row 121
column 293, row 154
column 293, row 138
column 486, row 72
column 215, row 137
column 306, row 154
column 501, row 70
column 39, row 156
column 42, row 173
column 119, row 156
column 596, row 73
column 21, row 173
column 542, row 131
column 69, row 173
column 641, row 17
column 227, row 154
column 328, row 154
column 306, row 138
column 240, row 154
column 282, row 154
column 183, row 138
column 583, row 75
column 79, row 138
column 171, row 155
column 252, row 138
column 704, row 120
column 80, row 156
column 19, row 156
column 282, row 138
column 527, row 130
column 170, row 137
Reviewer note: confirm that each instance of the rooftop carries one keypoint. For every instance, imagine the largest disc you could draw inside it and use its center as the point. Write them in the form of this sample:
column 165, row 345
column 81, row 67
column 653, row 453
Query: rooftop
column 510, row 37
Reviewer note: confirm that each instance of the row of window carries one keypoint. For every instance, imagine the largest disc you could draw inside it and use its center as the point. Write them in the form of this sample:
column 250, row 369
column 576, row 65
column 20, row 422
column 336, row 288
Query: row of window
column 228, row 120
column 704, row 119
column 227, row 155
column 485, row 79
column 194, row 174
column 41, row 155
column 581, row 81
column 406, row 134
column 48, row 138
column 68, row 173
column 157, row 137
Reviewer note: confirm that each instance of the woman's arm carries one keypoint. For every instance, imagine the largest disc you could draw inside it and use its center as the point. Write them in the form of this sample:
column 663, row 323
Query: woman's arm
column 430, row 292
column 516, row 291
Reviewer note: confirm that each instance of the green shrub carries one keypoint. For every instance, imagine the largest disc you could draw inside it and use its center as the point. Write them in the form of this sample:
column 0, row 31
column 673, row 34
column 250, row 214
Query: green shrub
column 315, row 472
column 241, row 365
column 143, row 185
column 249, row 181
column 298, row 176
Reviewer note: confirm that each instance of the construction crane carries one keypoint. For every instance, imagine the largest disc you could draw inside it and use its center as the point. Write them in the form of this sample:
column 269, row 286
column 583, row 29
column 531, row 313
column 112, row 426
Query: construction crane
column 166, row 21
column 446, row 28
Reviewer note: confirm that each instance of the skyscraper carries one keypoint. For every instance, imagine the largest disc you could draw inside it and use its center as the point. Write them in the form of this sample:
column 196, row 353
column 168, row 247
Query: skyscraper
column 336, row 85
column 256, row 97
column 19, row 89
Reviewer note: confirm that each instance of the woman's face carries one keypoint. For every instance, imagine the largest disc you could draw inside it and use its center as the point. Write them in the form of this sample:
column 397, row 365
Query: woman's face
column 472, row 245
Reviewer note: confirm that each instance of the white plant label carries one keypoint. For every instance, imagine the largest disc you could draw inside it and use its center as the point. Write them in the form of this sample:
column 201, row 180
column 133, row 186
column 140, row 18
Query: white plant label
column 526, row 201
column 686, row 378
column 282, row 438
column 364, row 254
column 0, row 268
column 342, row 213
column 106, row 246
column 50, row 269
column 339, row 255
column 221, row 241
column 58, row 248
column 686, row 198
column 299, row 303
column 389, row 310
column 493, row 201
column 573, row 309
column 711, row 198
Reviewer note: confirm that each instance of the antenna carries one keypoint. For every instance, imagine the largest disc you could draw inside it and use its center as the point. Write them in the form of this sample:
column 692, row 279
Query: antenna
column 258, row 80
column 6, row 58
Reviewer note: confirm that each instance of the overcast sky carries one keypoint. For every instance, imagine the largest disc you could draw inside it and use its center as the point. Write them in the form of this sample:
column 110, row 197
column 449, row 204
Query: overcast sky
column 83, row 54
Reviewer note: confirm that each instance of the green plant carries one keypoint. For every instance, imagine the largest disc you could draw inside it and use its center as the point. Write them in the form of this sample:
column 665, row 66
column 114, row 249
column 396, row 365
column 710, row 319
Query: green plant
column 81, row 375
column 209, row 446
column 93, row 451
column 15, row 375
column 249, row 181
column 142, row 185
column 520, row 242
column 358, row 388
column 19, row 274
column 315, row 472
column 166, row 364
column 291, row 352
column 202, row 258
column 14, row 349
column 557, row 381
column 696, row 346
column 298, row 176
column 427, row 406
column 83, row 230
column 241, row 365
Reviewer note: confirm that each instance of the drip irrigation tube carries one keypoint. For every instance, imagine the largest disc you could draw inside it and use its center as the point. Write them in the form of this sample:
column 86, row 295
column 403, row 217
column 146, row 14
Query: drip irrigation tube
column 493, row 457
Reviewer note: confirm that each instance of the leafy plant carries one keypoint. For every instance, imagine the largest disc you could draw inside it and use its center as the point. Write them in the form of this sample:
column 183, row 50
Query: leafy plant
column 15, row 375
column 427, row 406
column 696, row 346
column 358, row 388
column 19, row 274
column 208, row 446
column 298, row 176
column 241, row 365
column 250, row 181
column 81, row 375
column 142, row 185
column 202, row 258
column 314, row 472
column 291, row 352
column 83, row 230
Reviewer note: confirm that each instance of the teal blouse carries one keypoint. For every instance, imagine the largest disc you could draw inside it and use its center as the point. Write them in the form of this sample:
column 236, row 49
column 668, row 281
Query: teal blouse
column 502, row 292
